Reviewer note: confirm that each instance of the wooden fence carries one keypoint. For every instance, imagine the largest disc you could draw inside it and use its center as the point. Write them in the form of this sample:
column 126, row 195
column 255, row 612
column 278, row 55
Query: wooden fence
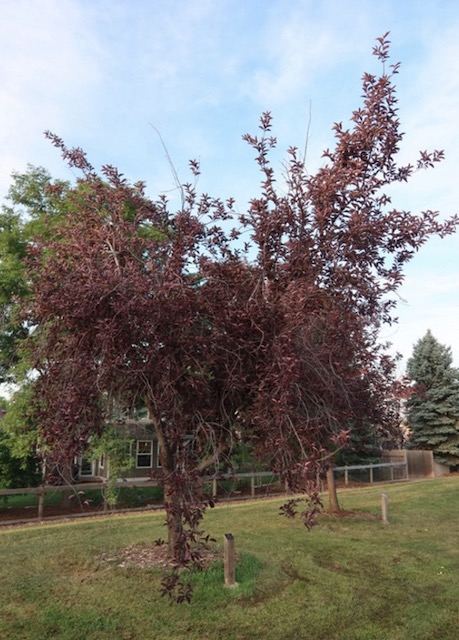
column 381, row 472
column 258, row 483
column 419, row 464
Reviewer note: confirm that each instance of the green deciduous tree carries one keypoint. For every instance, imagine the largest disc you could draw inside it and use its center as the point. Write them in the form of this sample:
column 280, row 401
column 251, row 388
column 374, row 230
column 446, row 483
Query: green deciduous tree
column 35, row 203
column 433, row 405
column 16, row 469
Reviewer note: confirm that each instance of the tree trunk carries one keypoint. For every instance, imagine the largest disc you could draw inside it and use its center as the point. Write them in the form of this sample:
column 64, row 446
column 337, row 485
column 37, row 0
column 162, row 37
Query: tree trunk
column 69, row 497
column 332, row 494
column 175, row 541
column 183, row 492
column 172, row 497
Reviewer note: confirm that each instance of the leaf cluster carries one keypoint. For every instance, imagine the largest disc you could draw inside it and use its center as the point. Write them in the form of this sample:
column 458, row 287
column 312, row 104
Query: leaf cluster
column 35, row 203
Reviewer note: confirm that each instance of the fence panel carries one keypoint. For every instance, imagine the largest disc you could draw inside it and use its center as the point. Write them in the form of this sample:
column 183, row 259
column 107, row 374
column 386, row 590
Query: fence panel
column 420, row 464
column 381, row 472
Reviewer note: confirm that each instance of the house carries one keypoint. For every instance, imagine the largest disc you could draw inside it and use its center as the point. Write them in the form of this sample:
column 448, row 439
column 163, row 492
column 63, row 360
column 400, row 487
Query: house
column 143, row 449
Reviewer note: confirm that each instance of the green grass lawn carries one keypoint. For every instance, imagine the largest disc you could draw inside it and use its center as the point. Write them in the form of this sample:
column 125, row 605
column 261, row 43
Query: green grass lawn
column 349, row 579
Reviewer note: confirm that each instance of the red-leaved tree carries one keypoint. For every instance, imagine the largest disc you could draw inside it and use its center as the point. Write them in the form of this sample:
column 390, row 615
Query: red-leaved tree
column 276, row 343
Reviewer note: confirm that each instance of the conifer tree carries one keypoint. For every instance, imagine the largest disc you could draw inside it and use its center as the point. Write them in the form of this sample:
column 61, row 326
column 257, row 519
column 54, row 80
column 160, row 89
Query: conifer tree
column 433, row 406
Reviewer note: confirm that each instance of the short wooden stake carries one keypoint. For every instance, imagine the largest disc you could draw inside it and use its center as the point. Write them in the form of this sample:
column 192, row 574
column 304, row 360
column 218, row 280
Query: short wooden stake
column 384, row 500
column 105, row 495
column 229, row 560
column 41, row 502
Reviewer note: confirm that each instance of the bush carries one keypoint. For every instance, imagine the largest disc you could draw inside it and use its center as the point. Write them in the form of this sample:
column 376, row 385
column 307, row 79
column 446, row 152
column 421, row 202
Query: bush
column 17, row 472
column 133, row 497
column 226, row 487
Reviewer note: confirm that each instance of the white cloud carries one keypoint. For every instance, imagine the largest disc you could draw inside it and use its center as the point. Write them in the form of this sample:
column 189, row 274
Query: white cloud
column 429, row 100
column 48, row 73
column 300, row 43
column 429, row 300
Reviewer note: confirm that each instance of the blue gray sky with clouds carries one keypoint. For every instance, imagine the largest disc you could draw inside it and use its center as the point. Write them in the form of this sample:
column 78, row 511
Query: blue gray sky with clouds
column 102, row 73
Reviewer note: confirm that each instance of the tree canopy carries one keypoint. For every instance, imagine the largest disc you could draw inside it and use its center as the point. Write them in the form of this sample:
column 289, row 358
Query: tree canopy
column 33, row 205
column 16, row 469
column 259, row 326
column 433, row 404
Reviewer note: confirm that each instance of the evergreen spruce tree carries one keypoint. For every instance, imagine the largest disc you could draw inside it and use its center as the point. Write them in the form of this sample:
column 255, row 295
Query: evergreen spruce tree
column 433, row 406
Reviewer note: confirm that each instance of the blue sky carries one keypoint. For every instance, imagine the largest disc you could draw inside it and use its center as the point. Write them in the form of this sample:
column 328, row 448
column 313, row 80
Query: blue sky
column 103, row 73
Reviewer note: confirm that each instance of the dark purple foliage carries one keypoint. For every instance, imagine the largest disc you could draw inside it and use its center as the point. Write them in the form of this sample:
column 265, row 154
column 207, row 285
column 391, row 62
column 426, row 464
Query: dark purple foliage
column 277, row 347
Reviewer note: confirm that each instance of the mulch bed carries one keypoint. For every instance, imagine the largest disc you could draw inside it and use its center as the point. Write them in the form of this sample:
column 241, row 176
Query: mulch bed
column 146, row 557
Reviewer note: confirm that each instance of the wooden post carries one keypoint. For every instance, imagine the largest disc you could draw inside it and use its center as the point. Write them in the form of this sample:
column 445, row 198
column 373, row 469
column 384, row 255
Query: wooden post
column 214, row 488
column 384, row 500
column 346, row 476
column 371, row 474
column 252, row 486
column 229, row 560
column 104, row 495
column 392, row 474
column 41, row 501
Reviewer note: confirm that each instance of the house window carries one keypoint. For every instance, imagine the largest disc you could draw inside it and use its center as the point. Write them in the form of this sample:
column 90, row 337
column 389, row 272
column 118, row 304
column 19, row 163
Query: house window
column 86, row 467
column 144, row 454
